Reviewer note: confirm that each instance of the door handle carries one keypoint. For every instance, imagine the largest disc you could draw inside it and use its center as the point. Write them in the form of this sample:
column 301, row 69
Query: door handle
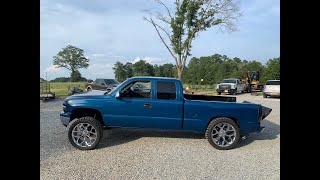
column 147, row 105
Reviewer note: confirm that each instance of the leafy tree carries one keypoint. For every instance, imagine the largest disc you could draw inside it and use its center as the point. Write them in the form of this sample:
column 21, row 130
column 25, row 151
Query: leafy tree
column 142, row 68
column 189, row 19
column 120, row 71
column 272, row 70
column 71, row 58
column 128, row 69
column 75, row 76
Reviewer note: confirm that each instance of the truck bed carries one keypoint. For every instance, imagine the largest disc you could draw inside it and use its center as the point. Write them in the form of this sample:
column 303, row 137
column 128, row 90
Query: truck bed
column 210, row 98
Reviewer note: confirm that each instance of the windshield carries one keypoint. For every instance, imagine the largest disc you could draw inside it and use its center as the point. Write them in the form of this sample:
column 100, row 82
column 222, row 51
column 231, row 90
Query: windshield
column 228, row 81
column 111, row 81
column 273, row 83
column 114, row 89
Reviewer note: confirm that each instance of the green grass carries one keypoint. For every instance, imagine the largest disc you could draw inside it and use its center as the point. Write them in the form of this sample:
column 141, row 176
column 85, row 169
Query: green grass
column 61, row 88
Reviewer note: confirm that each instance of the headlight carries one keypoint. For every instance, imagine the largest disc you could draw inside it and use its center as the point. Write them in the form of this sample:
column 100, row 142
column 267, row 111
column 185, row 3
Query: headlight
column 233, row 86
column 64, row 106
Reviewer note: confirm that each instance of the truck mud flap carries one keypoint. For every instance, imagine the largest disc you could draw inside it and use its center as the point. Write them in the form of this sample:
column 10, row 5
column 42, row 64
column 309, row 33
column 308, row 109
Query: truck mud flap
column 264, row 111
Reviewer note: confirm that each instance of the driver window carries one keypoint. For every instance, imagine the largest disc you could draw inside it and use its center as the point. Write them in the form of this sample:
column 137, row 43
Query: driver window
column 137, row 89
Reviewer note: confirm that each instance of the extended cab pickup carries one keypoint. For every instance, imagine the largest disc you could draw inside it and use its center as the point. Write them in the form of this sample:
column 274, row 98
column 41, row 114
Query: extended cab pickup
column 161, row 104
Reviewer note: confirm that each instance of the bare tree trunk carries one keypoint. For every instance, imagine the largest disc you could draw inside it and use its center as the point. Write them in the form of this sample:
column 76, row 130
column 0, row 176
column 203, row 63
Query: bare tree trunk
column 180, row 71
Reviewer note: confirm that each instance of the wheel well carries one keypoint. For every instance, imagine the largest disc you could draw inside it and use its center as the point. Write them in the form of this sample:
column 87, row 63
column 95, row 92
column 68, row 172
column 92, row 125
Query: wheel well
column 232, row 118
column 82, row 112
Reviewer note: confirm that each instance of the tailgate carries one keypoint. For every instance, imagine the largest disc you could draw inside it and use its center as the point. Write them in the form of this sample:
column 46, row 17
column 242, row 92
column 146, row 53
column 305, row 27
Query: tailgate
column 263, row 111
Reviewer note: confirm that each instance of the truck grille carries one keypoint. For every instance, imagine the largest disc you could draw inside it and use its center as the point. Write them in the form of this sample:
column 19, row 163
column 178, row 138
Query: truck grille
column 225, row 87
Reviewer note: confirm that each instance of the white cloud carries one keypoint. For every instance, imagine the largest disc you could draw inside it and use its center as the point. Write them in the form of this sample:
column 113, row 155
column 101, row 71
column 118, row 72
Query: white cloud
column 136, row 59
column 53, row 69
column 98, row 55
column 154, row 60
column 151, row 60
column 98, row 71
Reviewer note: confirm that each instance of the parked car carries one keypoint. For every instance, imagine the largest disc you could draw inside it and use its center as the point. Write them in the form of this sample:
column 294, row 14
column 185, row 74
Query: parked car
column 271, row 88
column 220, row 118
column 231, row 86
column 102, row 84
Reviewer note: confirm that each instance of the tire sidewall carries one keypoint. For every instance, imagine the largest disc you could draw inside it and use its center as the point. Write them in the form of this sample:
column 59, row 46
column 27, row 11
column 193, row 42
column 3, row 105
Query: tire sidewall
column 216, row 121
column 90, row 120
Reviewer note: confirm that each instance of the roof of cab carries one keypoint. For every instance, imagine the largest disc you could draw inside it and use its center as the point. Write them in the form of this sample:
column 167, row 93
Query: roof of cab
column 152, row 77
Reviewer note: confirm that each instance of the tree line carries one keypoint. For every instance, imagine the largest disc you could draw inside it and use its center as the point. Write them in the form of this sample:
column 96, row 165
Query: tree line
column 209, row 69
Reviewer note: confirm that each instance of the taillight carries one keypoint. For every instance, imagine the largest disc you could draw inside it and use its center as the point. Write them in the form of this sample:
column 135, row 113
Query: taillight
column 264, row 87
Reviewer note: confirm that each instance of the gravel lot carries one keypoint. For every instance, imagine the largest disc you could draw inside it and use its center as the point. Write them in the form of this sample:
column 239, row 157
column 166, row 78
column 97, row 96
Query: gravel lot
column 140, row 154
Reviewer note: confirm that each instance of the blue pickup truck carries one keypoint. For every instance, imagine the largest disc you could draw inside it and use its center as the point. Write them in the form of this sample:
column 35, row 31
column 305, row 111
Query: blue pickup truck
column 161, row 104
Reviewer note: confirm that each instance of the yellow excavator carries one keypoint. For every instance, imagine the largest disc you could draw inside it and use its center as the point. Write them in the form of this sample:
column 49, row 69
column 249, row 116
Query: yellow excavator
column 251, row 79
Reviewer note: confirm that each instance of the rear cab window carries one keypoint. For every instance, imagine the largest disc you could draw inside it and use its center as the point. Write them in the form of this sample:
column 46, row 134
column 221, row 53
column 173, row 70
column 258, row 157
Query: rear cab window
column 273, row 83
column 166, row 90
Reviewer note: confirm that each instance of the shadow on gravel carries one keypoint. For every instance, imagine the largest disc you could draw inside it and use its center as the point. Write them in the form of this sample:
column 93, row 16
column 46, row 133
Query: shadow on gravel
column 115, row 137
column 272, row 130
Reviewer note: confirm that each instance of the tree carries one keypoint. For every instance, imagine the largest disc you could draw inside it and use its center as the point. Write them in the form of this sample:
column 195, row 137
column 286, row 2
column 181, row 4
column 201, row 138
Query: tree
column 119, row 71
column 75, row 76
column 142, row 68
column 190, row 18
column 71, row 58
column 272, row 70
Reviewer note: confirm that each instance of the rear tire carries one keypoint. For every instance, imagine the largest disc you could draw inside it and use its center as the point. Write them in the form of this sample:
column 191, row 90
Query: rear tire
column 264, row 95
column 85, row 133
column 223, row 133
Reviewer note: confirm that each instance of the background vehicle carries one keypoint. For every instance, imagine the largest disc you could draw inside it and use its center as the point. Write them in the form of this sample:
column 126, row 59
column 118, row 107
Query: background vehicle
column 251, row 79
column 232, row 86
column 221, row 119
column 102, row 84
column 272, row 88
column 140, row 87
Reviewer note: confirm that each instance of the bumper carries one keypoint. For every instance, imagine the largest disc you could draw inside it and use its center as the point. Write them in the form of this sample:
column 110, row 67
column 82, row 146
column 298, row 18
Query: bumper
column 225, row 90
column 65, row 118
column 272, row 93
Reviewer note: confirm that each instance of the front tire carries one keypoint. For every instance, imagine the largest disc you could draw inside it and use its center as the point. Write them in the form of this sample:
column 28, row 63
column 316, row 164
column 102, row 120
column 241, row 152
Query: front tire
column 235, row 92
column 223, row 133
column 85, row 133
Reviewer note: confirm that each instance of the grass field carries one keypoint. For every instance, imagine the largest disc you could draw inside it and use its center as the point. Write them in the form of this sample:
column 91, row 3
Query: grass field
column 61, row 88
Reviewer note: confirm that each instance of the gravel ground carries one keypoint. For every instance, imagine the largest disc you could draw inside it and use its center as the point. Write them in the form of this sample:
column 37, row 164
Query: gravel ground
column 140, row 154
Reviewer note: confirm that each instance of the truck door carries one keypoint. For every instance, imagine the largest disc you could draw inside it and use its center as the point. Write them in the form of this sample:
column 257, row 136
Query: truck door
column 167, row 106
column 133, row 108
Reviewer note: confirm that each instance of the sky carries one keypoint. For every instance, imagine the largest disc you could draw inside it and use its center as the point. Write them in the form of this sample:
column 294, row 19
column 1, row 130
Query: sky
column 114, row 30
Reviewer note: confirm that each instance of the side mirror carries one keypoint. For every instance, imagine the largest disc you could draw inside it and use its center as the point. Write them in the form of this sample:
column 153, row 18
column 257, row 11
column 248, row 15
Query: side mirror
column 118, row 96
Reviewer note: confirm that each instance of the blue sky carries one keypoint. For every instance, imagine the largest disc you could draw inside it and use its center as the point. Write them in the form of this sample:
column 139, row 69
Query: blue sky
column 114, row 30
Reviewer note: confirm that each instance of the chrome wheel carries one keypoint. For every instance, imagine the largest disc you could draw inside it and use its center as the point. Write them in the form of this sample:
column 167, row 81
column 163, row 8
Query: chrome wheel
column 84, row 135
column 223, row 134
